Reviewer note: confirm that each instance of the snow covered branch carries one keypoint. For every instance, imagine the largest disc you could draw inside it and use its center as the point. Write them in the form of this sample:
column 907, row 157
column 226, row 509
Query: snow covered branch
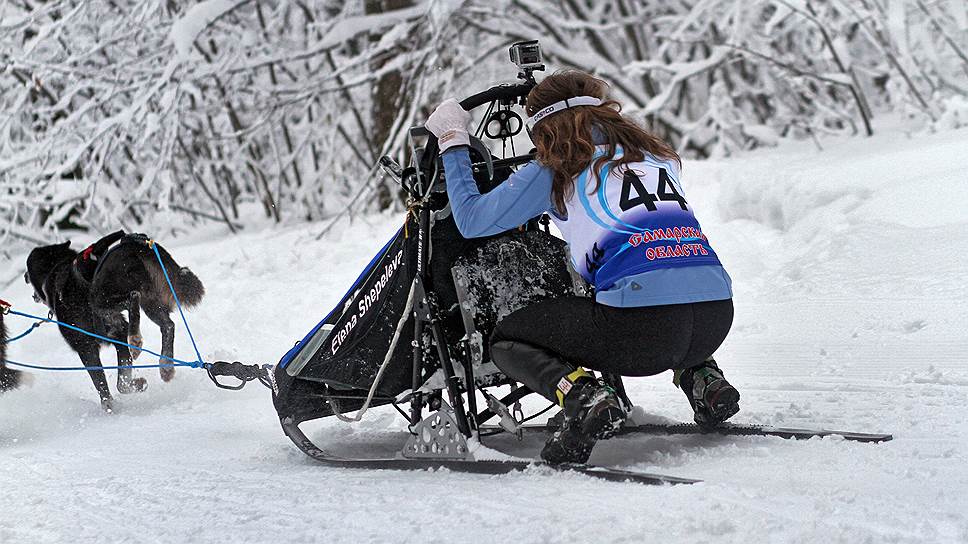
column 161, row 115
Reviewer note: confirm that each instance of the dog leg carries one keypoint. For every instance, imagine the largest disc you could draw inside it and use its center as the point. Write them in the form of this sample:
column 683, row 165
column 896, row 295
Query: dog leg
column 167, row 348
column 127, row 384
column 91, row 358
column 117, row 328
column 159, row 315
column 10, row 378
column 131, row 330
column 134, row 324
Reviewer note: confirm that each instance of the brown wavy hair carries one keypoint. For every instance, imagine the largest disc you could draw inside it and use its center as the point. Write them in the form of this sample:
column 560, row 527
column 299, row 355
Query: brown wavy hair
column 564, row 139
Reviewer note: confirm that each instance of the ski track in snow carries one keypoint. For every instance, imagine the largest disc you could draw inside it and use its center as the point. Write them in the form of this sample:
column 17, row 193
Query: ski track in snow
column 850, row 290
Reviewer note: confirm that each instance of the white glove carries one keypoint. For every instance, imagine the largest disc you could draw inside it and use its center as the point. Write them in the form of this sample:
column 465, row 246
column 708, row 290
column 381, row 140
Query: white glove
column 449, row 124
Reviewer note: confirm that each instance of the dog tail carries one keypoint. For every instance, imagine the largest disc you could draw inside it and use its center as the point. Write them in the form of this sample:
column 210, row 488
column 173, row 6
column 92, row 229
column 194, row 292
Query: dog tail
column 187, row 285
column 9, row 378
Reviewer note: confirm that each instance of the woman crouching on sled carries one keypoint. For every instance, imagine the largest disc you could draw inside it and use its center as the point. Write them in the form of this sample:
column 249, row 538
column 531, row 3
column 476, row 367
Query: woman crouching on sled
column 663, row 301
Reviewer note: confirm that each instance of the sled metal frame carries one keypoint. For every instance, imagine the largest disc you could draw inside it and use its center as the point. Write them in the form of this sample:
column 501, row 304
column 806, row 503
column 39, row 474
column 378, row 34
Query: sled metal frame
column 427, row 316
column 426, row 308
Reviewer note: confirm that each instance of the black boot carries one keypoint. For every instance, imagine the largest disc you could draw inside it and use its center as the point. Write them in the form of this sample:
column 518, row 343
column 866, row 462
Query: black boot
column 712, row 398
column 592, row 411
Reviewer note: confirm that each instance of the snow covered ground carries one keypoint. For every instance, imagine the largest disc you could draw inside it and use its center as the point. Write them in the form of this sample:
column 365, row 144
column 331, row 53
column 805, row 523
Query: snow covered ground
column 850, row 280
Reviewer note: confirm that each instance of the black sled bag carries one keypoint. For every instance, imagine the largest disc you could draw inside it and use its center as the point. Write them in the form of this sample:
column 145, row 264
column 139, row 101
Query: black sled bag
column 333, row 367
column 336, row 363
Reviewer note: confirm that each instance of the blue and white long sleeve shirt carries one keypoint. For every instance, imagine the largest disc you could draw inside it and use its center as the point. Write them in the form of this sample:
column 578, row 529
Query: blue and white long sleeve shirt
column 634, row 238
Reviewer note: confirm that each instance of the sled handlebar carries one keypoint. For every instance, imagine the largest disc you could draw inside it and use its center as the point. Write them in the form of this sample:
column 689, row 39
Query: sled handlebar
column 499, row 92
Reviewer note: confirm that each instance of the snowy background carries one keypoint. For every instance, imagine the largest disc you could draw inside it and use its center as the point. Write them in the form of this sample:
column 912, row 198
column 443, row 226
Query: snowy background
column 850, row 294
column 846, row 252
column 165, row 116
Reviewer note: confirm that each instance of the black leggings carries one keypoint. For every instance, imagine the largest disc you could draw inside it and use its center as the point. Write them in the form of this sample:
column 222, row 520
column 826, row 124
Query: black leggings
column 640, row 341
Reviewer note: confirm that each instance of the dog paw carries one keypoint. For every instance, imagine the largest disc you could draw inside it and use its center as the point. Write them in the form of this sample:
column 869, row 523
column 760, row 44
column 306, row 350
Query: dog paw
column 136, row 385
column 137, row 341
column 107, row 404
column 167, row 373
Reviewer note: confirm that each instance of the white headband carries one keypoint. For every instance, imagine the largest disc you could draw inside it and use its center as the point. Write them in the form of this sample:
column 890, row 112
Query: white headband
column 563, row 105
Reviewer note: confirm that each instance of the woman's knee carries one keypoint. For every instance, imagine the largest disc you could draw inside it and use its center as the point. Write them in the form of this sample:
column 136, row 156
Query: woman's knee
column 500, row 333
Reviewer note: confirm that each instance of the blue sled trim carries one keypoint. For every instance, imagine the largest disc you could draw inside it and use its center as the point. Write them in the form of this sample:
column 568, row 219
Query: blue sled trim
column 288, row 357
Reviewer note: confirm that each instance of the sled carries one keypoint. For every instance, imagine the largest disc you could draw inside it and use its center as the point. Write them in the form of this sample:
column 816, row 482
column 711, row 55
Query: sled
column 413, row 330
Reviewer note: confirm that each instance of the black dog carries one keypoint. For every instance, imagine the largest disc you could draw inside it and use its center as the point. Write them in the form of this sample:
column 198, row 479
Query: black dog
column 9, row 378
column 90, row 289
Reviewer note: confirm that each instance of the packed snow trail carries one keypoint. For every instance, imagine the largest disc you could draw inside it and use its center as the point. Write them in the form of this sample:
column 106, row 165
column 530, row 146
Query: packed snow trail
column 851, row 287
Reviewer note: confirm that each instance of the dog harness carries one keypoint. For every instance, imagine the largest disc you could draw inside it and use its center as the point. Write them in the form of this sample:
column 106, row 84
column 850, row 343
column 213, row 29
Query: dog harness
column 87, row 262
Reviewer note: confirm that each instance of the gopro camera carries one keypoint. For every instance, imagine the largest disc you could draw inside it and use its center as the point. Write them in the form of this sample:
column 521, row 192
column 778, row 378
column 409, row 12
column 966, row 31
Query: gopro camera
column 527, row 55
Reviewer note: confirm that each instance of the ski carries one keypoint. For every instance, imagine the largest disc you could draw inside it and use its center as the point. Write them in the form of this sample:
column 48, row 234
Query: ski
column 729, row 429
column 489, row 467
column 735, row 429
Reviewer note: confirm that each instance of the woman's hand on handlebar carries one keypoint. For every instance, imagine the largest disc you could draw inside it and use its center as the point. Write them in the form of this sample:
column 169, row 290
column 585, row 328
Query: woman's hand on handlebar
column 449, row 124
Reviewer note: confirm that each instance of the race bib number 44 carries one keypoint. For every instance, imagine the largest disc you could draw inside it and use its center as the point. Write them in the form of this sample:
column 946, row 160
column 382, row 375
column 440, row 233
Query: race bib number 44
column 636, row 193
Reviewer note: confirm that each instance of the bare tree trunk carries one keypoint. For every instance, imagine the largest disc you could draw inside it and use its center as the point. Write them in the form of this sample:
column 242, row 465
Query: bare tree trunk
column 388, row 96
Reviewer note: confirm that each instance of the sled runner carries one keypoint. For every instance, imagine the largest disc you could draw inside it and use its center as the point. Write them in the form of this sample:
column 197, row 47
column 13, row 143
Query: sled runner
column 724, row 429
column 470, row 465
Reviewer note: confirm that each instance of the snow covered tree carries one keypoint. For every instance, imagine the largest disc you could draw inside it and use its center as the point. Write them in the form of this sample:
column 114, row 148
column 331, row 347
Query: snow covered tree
column 160, row 115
